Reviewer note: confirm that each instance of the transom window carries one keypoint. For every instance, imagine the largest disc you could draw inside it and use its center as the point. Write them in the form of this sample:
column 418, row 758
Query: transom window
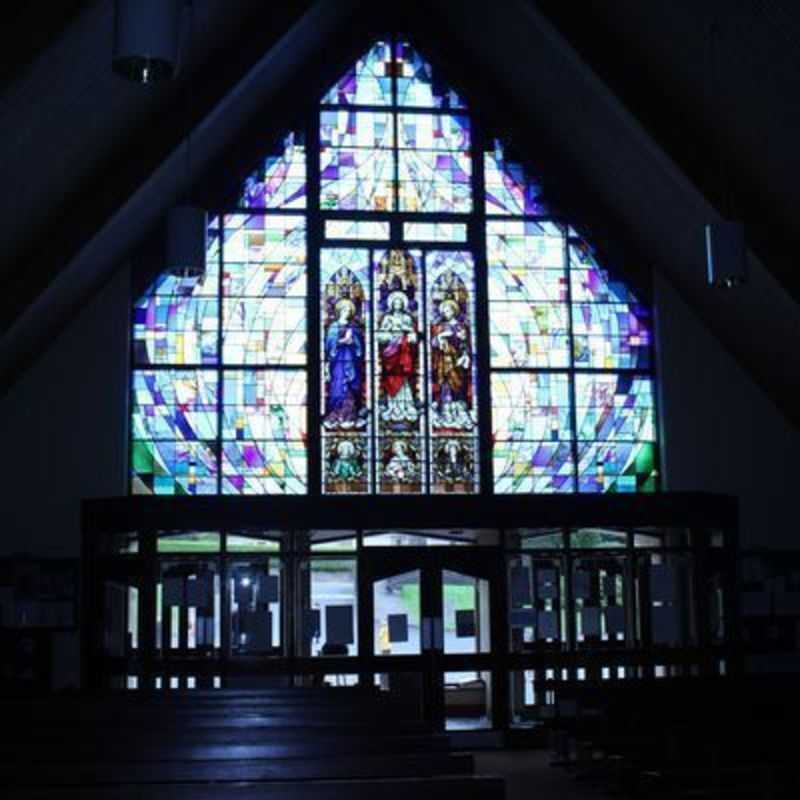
column 392, row 308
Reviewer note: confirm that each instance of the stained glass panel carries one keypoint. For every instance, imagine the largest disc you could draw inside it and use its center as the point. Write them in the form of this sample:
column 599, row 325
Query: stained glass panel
column 264, row 432
column 356, row 161
column 346, row 386
column 367, row 82
column 416, row 83
column 435, row 167
column 617, row 467
column 455, row 232
column 508, row 189
column 532, row 429
column 176, row 321
column 452, row 371
column 614, row 407
column 174, row 419
column 264, row 288
column 398, row 357
column 281, row 181
column 356, row 229
column 610, row 336
column 529, row 335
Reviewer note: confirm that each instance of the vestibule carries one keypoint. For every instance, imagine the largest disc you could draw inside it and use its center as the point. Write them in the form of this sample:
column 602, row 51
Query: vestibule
column 478, row 609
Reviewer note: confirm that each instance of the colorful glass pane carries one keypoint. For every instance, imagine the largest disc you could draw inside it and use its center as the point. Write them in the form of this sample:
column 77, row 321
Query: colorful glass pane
column 452, row 371
column 356, row 161
column 435, row 168
column 614, row 407
column 455, row 232
column 264, row 289
column 617, row 467
column 593, row 284
column 264, row 432
column 416, row 83
column 508, row 189
column 281, row 181
column 528, row 312
column 356, row 229
column 532, row 429
column 176, row 321
column 346, row 386
column 174, row 419
column 610, row 336
column 367, row 82
column 398, row 355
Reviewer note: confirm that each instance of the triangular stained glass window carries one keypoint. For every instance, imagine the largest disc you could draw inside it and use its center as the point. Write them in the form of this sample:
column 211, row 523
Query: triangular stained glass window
column 417, row 86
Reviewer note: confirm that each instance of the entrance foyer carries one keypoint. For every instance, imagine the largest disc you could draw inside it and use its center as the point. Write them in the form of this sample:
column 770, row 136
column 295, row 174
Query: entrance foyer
column 476, row 613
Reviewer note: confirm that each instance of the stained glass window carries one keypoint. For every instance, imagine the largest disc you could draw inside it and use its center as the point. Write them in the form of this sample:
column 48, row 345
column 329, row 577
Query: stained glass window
column 445, row 293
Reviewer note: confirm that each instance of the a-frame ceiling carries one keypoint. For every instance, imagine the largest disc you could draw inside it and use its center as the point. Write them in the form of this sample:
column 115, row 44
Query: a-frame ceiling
column 89, row 163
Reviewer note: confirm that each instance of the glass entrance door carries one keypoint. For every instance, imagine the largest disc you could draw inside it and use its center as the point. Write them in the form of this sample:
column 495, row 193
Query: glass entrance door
column 428, row 627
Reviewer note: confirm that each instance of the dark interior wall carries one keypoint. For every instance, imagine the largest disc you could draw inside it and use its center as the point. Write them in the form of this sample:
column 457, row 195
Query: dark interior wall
column 63, row 428
column 721, row 432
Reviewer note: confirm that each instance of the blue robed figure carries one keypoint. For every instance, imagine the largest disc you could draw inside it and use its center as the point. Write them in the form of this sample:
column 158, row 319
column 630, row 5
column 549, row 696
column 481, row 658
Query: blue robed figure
column 344, row 354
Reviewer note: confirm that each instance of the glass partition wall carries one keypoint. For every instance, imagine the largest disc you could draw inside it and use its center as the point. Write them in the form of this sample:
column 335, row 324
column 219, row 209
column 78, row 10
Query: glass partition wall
column 479, row 628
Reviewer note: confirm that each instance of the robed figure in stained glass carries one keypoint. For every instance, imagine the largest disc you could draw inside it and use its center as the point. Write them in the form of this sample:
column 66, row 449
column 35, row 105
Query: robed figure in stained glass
column 345, row 354
column 397, row 337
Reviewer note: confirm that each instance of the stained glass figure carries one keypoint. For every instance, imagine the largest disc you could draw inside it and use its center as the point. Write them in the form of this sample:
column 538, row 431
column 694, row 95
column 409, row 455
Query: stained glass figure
column 281, row 181
column 346, row 390
column 508, row 189
column 416, row 83
column 220, row 364
column 398, row 360
column 453, row 413
column 368, row 82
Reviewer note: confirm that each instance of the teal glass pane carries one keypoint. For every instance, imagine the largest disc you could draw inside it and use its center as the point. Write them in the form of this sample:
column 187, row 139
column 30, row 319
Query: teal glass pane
column 617, row 467
column 356, row 229
column 264, row 432
column 508, row 189
column 455, row 232
column 176, row 321
column 417, row 85
column 281, row 181
column 614, row 407
column 367, row 82
column 173, row 467
column 264, row 288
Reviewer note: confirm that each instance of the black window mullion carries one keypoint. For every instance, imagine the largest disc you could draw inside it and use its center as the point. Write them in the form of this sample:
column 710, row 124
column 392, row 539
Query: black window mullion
column 220, row 360
column 476, row 236
column 571, row 365
column 314, row 366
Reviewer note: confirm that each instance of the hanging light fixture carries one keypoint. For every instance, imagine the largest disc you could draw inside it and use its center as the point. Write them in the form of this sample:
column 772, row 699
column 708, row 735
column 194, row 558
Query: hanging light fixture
column 146, row 39
column 186, row 223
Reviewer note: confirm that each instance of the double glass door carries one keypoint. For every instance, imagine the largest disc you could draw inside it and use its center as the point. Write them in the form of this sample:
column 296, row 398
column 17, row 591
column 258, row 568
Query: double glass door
column 427, row 625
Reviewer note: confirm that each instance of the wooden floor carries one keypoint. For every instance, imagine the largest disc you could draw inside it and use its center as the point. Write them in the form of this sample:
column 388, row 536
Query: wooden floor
column 336, row 744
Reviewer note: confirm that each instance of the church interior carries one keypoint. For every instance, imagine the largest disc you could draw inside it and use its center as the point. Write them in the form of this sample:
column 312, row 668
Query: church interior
column 395, row 399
